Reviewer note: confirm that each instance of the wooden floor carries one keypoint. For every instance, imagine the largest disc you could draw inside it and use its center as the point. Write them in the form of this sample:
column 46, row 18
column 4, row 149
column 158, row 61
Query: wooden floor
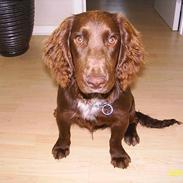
column 28, row 129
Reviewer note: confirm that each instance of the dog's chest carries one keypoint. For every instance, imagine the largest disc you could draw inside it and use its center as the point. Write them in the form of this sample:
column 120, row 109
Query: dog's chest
column 89, row 110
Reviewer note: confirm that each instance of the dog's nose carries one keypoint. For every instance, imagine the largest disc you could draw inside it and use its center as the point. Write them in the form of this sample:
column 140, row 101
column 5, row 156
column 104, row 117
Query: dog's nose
column 95, row 81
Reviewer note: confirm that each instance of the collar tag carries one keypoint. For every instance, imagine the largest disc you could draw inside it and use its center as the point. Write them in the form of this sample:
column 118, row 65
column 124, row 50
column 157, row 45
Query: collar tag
column 107, row 109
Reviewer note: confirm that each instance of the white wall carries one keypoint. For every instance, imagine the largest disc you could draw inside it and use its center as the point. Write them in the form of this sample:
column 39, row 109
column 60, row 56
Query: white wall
column 169, row 10
column 49, row 13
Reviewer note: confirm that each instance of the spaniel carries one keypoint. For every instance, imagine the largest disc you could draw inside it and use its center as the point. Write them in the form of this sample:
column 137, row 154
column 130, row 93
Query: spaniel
column 94, row 57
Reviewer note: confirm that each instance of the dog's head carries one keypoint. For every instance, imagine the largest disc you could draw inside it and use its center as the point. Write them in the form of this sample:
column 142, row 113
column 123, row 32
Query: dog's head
column 95, row 49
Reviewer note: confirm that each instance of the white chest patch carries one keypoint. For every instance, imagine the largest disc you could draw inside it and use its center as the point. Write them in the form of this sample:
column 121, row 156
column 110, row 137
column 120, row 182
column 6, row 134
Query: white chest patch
column 91, row 109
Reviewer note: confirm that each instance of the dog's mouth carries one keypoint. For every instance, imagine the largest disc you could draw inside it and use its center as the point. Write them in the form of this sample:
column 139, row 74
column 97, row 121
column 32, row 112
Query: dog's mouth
column 88, row 92
column 96, row 94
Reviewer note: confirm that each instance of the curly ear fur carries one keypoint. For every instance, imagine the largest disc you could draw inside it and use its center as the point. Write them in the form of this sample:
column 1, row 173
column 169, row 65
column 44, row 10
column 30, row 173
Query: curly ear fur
column 131, row 55
column 56, row 53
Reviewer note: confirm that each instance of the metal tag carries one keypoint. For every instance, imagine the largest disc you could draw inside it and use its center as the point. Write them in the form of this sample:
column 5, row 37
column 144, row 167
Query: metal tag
column 107, row 109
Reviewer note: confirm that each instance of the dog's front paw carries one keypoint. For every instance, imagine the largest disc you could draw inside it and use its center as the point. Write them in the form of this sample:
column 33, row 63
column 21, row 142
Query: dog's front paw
column 60, row 151
column 121, row 162
column 132, row 138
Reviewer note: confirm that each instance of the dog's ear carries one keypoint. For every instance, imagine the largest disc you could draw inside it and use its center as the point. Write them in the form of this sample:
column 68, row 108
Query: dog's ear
column 56, row 53
column 131, row 54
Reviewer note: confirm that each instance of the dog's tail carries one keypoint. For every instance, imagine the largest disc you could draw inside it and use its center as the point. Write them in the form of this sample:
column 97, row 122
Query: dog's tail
column 150, row 122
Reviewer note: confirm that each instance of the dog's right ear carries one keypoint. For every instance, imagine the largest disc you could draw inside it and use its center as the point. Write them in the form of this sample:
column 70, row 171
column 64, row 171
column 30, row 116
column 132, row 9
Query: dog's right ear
column 131, row 58
column 56, row 53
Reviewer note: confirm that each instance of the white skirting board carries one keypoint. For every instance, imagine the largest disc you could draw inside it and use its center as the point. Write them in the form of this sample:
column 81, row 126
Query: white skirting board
column 43, row 30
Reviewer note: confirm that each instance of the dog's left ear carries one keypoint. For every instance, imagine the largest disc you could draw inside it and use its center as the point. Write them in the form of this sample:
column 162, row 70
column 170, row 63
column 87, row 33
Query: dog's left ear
column 56, row 53
column 131, row 54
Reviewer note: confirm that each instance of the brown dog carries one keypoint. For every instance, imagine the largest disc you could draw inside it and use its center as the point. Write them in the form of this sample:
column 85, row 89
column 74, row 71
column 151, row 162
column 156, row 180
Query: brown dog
column 94, row 57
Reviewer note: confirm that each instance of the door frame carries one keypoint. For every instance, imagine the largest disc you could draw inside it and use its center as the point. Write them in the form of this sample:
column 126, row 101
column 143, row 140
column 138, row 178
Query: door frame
column 169, row 10
column 79, row 6
column 181, row 21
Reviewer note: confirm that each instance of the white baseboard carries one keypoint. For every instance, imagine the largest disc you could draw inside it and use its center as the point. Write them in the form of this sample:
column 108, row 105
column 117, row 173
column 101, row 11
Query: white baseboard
column 43, row 30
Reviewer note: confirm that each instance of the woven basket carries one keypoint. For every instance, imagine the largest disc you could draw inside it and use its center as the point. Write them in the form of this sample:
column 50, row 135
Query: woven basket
column 16, row 25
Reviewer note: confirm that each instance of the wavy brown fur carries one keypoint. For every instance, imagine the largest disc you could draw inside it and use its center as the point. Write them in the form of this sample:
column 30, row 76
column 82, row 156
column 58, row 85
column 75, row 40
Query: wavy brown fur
column 57, row 55
column 150, row 122
column 132, row 57
column 107, row 54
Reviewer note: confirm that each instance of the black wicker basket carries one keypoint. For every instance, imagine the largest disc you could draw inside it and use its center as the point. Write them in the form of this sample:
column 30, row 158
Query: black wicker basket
column 16, row 26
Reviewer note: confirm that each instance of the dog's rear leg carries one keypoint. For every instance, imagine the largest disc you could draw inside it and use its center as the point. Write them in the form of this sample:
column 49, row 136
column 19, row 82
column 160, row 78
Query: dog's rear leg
column 131, row 136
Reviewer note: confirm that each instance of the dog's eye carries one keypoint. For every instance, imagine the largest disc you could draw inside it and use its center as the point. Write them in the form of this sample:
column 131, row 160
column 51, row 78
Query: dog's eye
column 79, row 39
column 112, row 40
